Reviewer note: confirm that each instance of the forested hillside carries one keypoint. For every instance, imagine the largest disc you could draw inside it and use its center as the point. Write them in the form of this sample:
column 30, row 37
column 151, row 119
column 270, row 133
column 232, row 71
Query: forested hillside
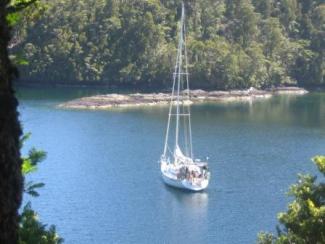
column 231, row 43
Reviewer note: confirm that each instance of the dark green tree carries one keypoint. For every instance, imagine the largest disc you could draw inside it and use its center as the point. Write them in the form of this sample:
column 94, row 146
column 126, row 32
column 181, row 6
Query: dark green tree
column 265, row 7
column 11, row 180
column 305, row 218
column 131, row 44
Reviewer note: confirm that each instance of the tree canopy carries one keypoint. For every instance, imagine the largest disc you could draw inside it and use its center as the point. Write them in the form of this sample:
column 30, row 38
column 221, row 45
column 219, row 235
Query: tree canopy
column 232, row 43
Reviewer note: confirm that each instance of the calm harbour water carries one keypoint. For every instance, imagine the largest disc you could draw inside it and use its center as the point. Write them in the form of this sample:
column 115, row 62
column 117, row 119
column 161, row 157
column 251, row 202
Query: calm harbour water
column 103, row 180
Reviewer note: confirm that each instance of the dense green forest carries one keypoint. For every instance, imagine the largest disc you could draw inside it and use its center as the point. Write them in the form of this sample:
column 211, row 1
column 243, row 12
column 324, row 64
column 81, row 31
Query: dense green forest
column 231, row 43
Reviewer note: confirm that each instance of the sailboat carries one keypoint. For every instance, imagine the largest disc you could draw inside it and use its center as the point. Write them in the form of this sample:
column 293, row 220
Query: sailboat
column 178, row 166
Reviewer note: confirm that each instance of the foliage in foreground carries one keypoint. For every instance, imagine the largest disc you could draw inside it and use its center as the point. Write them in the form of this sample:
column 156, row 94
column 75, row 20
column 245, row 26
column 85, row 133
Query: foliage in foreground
column 31, row 230
column 304, row 221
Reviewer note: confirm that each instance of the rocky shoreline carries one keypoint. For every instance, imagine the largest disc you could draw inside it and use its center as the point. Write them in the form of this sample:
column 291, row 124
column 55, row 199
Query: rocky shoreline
column 108, row 101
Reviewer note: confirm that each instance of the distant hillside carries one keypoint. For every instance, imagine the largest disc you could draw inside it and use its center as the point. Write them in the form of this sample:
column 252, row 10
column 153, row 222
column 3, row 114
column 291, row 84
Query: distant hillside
column 231, row 43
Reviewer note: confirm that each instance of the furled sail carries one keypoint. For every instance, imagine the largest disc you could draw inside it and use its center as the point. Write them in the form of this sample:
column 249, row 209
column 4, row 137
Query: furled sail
column 180, row 157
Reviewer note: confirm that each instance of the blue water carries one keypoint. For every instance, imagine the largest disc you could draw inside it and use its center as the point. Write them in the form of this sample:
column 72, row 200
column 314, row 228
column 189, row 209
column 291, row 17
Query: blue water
column 103, row 182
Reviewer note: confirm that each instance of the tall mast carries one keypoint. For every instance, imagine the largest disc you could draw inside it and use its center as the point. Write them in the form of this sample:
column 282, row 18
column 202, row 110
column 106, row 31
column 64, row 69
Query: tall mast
column 179, row 83
column 188, row 96
column 180, row 63
column 179, row 56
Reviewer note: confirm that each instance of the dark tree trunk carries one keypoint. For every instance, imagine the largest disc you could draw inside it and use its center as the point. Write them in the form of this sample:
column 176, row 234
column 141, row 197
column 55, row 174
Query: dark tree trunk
column 11, row 179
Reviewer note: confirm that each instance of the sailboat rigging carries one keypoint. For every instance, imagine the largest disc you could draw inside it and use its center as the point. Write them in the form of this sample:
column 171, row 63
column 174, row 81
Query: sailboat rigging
column 178, row 166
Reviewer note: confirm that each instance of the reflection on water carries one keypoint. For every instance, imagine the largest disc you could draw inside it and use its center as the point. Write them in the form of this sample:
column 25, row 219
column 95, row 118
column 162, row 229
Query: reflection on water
column 197, row 202
column 187, row 216
column 308, row 110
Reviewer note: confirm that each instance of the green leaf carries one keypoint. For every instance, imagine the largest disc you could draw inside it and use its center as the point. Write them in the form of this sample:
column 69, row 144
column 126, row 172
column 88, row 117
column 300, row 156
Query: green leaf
column 22, row 62
column 320, row 163
column 30, row 188
column 13, row 18
column 32, row 193
column 36, row 156
column 24, row 138
column 28, row 167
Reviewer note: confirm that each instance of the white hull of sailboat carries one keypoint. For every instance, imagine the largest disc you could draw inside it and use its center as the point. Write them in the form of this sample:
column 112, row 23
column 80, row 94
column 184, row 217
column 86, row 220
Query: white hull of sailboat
column 170, row 178
column 184, row 184
column 172, row 182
